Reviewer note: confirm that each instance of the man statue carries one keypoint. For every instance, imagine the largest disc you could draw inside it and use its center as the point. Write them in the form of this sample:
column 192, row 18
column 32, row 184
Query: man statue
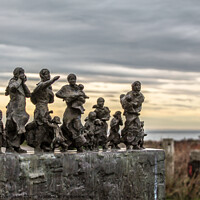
column 132, row 105
column 16, row 115
column 72, row 127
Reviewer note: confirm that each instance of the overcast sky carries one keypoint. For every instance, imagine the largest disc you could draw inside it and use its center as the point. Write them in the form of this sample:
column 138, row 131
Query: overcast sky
column 109, row 44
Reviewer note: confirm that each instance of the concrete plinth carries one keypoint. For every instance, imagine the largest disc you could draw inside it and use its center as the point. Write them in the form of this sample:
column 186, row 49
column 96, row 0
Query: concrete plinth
column 117, row 175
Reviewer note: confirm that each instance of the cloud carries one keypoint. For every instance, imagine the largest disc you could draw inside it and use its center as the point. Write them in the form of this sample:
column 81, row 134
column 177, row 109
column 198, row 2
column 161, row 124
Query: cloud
column 135, row 34
column 108, row 44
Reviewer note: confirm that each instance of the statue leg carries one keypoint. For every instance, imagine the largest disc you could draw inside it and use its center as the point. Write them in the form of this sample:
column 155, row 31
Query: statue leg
column 13, row 138
column 39, row 136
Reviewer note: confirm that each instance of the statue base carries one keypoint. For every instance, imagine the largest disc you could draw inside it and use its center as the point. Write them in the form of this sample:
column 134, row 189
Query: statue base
column 112, row 175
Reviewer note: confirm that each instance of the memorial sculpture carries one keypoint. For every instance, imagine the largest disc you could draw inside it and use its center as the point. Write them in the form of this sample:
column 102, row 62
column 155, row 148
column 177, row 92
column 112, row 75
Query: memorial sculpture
column 16, row 115
column 103, row 114
column 45, row 134
column 39, row 133
column 72, row 127
column 133, row 132
column 114, row 137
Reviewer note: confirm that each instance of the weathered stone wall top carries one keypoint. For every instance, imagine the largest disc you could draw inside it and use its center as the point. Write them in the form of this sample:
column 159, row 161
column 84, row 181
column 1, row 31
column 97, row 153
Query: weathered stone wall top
column 89, row 175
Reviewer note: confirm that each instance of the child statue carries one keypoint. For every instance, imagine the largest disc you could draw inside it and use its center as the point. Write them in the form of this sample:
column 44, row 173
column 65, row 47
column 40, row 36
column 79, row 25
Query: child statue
column 142, row 135
column 59, row 140
column 90, row 129
column 114, row 137
column 103, row 114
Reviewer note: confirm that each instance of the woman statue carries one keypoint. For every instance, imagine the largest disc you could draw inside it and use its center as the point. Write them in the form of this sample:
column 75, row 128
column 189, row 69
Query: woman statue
column 16, row 115
column 72, row 127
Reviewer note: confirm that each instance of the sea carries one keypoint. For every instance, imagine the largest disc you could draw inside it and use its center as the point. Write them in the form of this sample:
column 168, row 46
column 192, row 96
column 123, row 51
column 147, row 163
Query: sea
column 157, row 135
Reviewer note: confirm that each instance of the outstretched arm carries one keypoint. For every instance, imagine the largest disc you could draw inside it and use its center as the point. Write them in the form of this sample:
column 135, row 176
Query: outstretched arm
column 50, row 82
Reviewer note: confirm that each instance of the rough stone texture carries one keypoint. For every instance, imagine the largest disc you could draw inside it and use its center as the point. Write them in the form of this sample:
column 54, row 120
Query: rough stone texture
column 92, row 175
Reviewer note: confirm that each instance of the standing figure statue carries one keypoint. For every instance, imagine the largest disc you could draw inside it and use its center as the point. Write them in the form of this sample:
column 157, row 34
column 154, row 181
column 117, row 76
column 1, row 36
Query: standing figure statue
column 39, row 134
column 16, row 115
column 2, row 134
column 114, row 137
column 102, row 113
column 132, row 105
column 90, row 129
column 72, row 127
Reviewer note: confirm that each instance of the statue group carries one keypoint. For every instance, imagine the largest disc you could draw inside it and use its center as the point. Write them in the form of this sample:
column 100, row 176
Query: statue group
column 45, row 133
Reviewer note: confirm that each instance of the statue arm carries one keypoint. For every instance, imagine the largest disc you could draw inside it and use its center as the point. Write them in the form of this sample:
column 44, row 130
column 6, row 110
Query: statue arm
column 51, row 124
column 66, row 94
column 46, row 84
column 15, row 84
column 113, row 122
column 62, row 93
column 26, row 90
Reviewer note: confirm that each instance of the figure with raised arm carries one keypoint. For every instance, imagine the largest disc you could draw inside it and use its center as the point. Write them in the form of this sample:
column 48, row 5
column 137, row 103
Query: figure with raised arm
column 16, row 115
column 42, row 95
column 132, row 105
column 72, row 127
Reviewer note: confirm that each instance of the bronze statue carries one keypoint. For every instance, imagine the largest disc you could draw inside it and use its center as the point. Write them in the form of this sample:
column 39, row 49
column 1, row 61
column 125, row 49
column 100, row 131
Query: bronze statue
column 16, row 115
column 90, row 129
column 39, row 134
column 2, row 134
column 142, row 135
column 114, row 137
column 59, row 140
column 72, row 127
column 103, row 114
column 132, row 105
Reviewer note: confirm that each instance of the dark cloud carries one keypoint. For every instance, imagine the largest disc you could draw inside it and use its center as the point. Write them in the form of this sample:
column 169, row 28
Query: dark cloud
column 63, row 34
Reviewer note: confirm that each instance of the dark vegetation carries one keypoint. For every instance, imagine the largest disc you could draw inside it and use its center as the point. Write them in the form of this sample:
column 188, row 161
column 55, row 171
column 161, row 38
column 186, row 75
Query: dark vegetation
column 181, row 187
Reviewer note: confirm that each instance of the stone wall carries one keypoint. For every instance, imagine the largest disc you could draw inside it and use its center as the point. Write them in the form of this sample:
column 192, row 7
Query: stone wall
column 117, row 175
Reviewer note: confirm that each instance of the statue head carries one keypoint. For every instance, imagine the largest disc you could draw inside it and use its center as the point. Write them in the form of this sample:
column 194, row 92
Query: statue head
column 92, row 116
column 56, row 120
column 45, row 75
column 19, row 73
column 81, row 86
column 117, row 114
column 71, row 79
column 100, row 102
column 136, row 86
